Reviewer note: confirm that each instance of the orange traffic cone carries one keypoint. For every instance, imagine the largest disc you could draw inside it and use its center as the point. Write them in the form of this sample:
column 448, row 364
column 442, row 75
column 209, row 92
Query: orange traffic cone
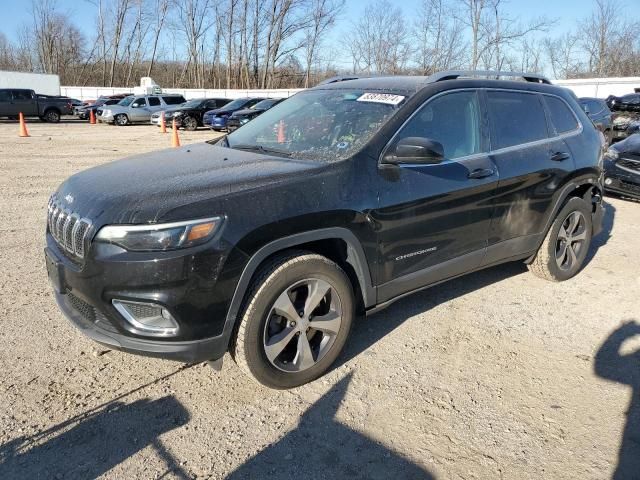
column 175, row 140
column 163, row 123
column 92, row 117
column 23, row 126
column 281, row 138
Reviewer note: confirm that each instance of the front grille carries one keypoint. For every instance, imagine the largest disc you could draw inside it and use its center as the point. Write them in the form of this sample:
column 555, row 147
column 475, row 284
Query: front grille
column 629, row 164
column 67, row 228
column 631, row 187
column 90, row 313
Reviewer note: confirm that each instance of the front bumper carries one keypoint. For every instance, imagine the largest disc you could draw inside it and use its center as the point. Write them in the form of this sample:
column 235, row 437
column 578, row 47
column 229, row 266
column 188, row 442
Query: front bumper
column 619, row 181
column 218, row 123
column 188, row 283
column 194, row 351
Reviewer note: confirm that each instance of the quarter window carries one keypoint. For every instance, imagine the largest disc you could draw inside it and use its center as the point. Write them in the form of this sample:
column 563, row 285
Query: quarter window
column 453, row 120
column 562, row 117
column 516, row 118
column 154, row 101
column 177, row 100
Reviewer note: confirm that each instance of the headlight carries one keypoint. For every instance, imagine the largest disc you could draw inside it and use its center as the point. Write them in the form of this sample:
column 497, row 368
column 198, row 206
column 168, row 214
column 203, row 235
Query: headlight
column 162, row 236
column 106, row 112
column 176, row 114
column 612, row 154
column 243, row 121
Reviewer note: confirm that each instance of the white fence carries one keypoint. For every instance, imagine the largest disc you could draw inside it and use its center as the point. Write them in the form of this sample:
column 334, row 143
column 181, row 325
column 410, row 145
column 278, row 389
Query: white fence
column 587, row 87
column 601, row 87
column 91, row 93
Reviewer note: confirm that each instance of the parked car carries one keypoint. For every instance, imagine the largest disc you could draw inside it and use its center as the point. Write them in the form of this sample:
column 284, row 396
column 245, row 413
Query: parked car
column 625, row 103
column 217, row 119
column 83, row 113
column 624, row 124
column 137, row 108
column 240, row 117
column 622, row 167
column 342, row 199
column 600, row 115
column 14, row 101
column 189, row 115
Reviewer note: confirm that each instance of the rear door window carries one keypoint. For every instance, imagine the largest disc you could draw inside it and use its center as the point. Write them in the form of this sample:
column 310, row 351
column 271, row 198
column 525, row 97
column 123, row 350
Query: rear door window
column 173, row 100
column 562, row 117
column 5, row 96
column 453, row 120
column 516, row 118
column 21, row 95
column 154, row 101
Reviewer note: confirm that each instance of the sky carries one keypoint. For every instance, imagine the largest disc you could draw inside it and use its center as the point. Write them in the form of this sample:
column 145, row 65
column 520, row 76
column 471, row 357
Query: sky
column 17, row 12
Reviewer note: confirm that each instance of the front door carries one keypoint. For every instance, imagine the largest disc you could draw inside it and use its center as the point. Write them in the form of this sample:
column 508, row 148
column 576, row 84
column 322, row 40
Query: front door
column 433, row 220
column 24, row 102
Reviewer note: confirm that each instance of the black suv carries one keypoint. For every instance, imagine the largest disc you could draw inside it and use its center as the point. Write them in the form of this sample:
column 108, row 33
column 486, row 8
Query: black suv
column 189, row 114
column 341, row 199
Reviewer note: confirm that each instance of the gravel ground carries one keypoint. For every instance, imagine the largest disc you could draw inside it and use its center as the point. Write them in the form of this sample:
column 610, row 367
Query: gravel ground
column 495, row 375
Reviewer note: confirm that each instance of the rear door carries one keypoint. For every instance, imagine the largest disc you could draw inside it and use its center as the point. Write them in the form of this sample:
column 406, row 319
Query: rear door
column 155, row 105
column 534, row 162
column 23, row 101
column 433, row 220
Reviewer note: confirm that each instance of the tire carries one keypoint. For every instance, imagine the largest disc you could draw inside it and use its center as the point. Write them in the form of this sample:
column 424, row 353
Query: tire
column 564, row 249
column 189, row 123
column 52, row 116
column 121, row 120
column 272, row 336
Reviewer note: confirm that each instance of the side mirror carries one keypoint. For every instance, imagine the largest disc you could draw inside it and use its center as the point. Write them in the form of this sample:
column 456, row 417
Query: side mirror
column 137, row 105
column 418, row 150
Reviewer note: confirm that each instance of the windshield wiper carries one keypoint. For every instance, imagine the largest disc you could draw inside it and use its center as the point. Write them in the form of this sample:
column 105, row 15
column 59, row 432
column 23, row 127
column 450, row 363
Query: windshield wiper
column 261, row 149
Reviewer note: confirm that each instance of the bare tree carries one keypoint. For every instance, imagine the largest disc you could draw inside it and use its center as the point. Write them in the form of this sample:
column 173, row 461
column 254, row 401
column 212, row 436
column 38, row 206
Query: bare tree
column 323, row 17
column 160, row 9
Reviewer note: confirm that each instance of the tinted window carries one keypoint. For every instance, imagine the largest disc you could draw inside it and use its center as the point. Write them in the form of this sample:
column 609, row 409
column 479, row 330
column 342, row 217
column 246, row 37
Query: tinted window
column 453, row 120
column 516, row 118
column 5, row 96
column 21, row 95
column 562, row 117
column 215, row 103
column 177, row 100
column 154, row 101
column 595, row 106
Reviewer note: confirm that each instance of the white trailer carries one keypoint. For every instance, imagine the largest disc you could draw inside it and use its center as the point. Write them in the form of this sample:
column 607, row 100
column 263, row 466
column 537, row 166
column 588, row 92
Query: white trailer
column 41, row 83
column 601, row 87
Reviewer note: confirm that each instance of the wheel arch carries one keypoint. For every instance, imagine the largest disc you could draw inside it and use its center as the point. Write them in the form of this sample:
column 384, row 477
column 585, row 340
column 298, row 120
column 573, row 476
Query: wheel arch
column 336, row 243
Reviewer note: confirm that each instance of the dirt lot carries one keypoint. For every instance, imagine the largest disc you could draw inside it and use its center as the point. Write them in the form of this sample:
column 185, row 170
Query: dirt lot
column 495, row 375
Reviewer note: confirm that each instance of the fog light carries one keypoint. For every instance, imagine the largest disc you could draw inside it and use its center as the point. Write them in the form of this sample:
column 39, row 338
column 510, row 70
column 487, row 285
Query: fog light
column 608, row 181
column 147, row 318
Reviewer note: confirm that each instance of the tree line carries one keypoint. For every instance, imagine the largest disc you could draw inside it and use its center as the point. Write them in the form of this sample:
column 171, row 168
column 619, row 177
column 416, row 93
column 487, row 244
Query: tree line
column 296, row 43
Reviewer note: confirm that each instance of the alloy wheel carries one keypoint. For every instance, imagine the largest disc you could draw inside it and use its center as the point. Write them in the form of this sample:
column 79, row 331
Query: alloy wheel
column 302, row 325
column 571, row 240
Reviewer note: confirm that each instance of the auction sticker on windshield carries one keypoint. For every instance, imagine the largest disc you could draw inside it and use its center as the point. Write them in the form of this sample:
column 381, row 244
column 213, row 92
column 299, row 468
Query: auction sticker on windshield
column 387, row 98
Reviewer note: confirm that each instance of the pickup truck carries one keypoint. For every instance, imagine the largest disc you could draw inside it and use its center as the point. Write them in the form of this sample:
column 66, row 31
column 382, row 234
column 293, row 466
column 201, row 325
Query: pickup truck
column 13, row 101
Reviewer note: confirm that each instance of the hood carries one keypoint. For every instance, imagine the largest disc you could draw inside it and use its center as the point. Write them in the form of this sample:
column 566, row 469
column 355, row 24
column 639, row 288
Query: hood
column 222, row 110
column 157, row 186
column 631, row 145
column 115, row 108
column 247, row 111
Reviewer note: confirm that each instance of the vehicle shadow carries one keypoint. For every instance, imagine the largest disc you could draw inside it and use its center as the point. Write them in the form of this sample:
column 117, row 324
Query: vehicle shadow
column 611, row 364
column 92, row 443
column 322, row 448
column 603, row 237
column 367, row 332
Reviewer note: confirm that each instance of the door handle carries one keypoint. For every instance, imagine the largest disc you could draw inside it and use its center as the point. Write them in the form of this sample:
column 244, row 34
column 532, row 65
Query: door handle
column 481, row 173
column 560, row 156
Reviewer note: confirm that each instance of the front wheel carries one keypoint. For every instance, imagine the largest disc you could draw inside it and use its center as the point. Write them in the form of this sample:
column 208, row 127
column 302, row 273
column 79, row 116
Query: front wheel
column 565, row 248
column 121, row 120
column 297, row 319
column 189, row 123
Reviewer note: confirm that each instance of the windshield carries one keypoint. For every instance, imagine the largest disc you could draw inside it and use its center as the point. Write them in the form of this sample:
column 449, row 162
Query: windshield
column 318, row 124
column 264, row 104
column 126, row 101
column 192, row 103
column 237, row 103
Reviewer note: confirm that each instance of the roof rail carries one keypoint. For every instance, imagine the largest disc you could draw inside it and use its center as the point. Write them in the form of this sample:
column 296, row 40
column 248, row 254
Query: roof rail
column 454, row 74
column 341, row 78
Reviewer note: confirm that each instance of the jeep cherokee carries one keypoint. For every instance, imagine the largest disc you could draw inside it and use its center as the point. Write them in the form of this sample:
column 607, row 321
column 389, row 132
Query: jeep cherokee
column 341, row 199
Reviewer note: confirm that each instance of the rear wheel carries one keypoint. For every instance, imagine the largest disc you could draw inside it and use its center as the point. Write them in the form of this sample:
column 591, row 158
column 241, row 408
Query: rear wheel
column 121, row 120
column 296, row 321
column 567, row 243
column 189, row 123
column 52, row 116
